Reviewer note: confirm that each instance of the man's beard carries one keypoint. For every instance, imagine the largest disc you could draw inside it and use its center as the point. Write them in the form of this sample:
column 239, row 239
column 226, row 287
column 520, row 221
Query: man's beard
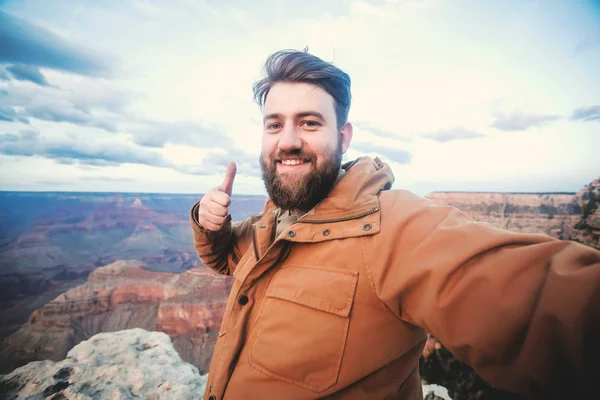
column 309, row 189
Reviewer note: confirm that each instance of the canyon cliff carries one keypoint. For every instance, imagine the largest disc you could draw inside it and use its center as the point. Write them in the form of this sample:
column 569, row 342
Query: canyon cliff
column 550, row 214
column 51, row 241
column 124, row 295
column 587, row 229
column 567, row 216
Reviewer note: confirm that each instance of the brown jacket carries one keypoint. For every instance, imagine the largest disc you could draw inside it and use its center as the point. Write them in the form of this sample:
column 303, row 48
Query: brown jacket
column 338, row 305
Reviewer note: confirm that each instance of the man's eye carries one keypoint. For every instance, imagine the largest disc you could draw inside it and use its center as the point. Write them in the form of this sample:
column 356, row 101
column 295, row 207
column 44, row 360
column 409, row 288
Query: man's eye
column 311, row 124
column 273, row 126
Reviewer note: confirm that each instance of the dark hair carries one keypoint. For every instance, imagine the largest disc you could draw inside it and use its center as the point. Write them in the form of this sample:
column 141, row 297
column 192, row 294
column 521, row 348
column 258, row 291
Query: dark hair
column 300, row 66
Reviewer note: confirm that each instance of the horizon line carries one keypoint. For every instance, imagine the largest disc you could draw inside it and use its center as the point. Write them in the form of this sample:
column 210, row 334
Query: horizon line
column 262, row 195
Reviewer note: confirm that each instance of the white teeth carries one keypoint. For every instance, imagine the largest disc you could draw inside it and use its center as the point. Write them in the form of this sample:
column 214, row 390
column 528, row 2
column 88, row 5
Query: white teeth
column 291, row 162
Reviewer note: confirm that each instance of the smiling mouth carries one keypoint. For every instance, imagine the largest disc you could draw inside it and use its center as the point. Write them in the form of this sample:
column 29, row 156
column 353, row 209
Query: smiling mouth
column 292, row 162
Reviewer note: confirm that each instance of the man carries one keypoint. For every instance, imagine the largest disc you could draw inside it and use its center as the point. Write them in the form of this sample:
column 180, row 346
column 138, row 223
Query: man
column 339, row 278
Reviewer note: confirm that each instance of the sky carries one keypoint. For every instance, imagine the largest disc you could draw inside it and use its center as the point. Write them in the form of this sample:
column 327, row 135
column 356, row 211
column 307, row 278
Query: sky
column 156, row 96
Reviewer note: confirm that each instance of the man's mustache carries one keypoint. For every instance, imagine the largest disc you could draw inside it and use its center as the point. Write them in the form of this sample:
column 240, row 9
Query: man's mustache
column 299, row 154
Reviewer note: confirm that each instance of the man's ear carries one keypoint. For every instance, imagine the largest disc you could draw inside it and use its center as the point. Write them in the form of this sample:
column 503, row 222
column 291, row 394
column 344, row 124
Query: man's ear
column 346, row 136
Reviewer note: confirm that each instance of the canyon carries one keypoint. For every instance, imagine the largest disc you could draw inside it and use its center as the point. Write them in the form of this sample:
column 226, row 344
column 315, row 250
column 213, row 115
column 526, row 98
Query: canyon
column 567, row 216
column 123, row 295
column 104, row 263
column 50, row 242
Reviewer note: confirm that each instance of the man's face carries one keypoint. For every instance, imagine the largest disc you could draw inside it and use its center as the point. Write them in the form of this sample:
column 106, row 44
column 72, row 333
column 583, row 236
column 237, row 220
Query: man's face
column 302, row 147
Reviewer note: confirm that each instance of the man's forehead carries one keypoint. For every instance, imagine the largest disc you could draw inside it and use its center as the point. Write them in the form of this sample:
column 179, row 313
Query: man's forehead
column 287, row 99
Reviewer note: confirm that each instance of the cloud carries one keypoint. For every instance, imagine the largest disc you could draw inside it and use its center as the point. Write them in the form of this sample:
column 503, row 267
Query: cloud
column 107, row 179
column 247, row 164
column 29, row 134
column 216, row 163
column 8, row 114
column 590, row 113
column 157, row 134
column 27, row 73
column 29, row 44
column 90, row 104
column 457, row 133
column 67, row 151
column 8, row 137
column 71, row 151
column 517, row 121
column 56, row 113
column 367, row 126
column 4, row 76
column 398, row 156
column 587, row 42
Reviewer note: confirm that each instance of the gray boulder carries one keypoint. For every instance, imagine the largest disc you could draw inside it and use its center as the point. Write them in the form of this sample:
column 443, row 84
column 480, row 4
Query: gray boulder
column 130, row 364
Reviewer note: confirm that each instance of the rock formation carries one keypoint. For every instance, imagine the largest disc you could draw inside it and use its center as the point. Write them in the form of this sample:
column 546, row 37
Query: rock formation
column 118, row 365
column 123, row 295
column 435, row 392
column 587, row 229
column 50, row 242
column 551, row 214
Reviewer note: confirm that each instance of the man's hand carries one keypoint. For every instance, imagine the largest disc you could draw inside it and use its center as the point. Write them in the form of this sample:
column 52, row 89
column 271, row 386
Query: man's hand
column 214, row 206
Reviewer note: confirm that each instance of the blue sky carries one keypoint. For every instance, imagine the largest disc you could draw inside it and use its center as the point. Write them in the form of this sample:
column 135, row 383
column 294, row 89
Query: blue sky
column 156, row 96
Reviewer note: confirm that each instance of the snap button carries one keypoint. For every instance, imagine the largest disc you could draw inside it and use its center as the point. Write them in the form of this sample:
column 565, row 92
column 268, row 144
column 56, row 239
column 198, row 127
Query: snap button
column 326, row 232
column 243, row 299
column 212, row 397
column 263, row 227
column 292, row 234
column 367, row 227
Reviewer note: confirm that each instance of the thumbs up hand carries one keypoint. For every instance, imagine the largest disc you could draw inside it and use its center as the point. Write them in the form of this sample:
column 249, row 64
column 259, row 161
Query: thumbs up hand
column 214, row 206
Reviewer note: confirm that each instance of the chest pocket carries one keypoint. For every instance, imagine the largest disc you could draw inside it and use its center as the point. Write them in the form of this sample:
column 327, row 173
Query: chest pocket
column 302, row 325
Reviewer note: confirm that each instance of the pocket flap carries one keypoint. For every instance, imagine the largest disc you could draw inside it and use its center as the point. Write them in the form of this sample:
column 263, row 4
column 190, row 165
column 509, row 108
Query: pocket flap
column 326, row 289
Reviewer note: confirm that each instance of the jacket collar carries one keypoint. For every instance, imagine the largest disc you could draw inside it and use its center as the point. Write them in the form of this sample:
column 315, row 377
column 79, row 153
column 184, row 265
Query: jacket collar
column 353, row 195
column 350, row 210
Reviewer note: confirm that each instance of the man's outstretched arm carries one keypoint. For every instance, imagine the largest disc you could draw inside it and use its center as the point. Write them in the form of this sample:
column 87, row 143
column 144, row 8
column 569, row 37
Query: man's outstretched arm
column 522, row 309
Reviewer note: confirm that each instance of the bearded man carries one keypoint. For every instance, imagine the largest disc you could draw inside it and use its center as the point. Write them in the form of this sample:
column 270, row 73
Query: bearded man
column 339, row 278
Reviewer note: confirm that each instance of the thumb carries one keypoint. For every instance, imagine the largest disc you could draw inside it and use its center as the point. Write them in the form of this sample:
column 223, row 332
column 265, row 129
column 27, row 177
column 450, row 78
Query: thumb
column 227, row 184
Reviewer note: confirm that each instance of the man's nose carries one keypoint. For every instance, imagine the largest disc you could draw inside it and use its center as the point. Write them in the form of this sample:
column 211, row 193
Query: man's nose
column 290, row 139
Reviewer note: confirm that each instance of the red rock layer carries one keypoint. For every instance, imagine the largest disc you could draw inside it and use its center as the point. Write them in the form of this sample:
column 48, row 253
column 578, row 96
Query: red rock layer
column 123, row 295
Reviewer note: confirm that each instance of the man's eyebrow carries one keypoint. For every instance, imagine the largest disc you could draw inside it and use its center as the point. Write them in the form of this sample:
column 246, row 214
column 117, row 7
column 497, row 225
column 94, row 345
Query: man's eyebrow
column 271, row 116
column 298, row 115
column 310, row 114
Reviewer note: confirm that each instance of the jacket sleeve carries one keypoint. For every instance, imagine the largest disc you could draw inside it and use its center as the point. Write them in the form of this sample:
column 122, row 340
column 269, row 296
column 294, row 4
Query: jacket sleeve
column 222, row 250
column 522, row 309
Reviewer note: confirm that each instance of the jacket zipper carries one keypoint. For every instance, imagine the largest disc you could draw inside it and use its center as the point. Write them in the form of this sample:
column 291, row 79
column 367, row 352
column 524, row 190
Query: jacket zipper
column 254, row 243
column 328, row 221
column 274, row 229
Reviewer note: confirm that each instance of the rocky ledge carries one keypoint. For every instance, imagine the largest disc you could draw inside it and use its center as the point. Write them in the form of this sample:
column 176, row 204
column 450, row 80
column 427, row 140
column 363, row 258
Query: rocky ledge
column 130, row 364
